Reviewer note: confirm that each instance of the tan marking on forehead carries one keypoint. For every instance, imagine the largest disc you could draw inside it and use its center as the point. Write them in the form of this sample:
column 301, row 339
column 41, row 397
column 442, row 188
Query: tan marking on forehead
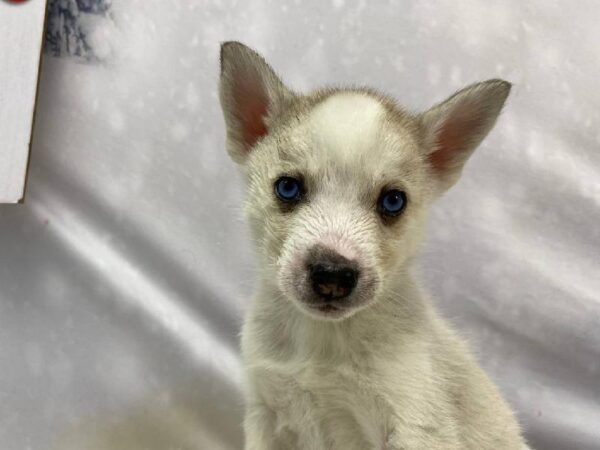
column 347, row 123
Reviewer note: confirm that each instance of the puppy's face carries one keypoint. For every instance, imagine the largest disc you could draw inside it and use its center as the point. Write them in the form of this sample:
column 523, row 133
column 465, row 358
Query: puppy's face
column 338, row 181
column 335, row 197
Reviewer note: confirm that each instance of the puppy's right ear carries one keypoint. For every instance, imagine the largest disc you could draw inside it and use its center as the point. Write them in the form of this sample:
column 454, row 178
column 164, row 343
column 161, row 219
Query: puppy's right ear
column 251, row 94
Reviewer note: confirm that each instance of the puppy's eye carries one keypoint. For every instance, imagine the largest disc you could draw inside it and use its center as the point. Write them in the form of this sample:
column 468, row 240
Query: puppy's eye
column 392, row 202
column 288, row 189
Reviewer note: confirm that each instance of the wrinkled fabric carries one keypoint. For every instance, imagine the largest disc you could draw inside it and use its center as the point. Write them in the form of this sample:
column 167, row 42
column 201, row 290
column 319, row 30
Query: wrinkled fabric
column 125, row 275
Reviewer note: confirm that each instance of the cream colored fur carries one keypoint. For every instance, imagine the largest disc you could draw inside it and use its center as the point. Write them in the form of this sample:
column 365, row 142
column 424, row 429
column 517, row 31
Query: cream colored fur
column 388, row 372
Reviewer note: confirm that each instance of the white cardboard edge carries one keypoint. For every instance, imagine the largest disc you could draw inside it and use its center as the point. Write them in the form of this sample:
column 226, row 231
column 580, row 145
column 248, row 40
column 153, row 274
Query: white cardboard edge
column 22, row 26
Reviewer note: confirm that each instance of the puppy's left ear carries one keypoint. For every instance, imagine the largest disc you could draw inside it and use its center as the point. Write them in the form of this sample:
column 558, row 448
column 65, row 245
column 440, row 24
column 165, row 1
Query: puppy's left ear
column 251, row 93
column 455, row 127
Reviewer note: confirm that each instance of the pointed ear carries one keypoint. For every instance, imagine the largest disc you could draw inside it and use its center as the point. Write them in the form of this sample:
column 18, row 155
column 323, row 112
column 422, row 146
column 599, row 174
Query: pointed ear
column 455, row 127
column 250, row 94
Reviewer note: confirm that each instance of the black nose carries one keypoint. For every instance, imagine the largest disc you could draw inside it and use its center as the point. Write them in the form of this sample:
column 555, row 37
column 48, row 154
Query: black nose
column 333, row 281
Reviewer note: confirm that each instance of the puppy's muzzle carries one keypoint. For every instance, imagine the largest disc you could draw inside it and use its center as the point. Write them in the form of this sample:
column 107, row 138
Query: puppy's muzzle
column 333, row 277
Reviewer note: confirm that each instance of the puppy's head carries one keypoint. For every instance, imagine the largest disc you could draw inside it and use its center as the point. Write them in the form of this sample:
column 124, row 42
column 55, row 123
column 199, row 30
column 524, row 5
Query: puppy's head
column 338, row 181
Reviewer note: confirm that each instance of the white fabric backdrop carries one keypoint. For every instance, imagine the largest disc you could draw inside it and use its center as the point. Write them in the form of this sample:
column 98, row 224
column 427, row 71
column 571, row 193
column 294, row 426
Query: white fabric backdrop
column 125, row 276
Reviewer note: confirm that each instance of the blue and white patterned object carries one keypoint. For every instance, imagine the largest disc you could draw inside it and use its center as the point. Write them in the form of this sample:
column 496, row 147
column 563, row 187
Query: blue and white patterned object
column 69, row 23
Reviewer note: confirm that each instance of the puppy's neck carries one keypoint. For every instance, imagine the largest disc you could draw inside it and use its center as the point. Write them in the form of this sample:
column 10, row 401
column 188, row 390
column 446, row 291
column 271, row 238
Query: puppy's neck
column 399, row 313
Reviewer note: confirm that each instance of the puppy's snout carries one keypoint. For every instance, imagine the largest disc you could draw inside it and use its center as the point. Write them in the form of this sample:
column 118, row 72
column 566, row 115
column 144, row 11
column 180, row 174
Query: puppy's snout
column 332, row 276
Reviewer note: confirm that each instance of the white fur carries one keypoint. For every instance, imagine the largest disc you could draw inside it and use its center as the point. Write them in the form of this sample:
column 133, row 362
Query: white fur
column 365, row 383
column 346, row 124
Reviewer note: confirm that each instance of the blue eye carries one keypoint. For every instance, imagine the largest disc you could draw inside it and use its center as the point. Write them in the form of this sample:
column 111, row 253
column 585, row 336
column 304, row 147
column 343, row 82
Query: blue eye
column 392, row 203
column 288, row 189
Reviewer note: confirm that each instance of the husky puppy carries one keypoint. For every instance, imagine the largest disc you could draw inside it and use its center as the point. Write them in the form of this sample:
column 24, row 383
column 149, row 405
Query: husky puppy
column 342, row 349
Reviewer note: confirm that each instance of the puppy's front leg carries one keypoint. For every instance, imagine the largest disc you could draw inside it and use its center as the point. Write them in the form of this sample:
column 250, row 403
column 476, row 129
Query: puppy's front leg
column 259, row 428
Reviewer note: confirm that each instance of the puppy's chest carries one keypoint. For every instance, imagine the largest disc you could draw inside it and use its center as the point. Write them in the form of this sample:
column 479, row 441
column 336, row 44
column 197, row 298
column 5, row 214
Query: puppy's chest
column 336, row 406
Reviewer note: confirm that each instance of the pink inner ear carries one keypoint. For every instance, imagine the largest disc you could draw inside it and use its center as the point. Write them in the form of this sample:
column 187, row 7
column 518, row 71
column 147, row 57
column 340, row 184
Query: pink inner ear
column 454, row 137
column 252, row 106
column 448, row 142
